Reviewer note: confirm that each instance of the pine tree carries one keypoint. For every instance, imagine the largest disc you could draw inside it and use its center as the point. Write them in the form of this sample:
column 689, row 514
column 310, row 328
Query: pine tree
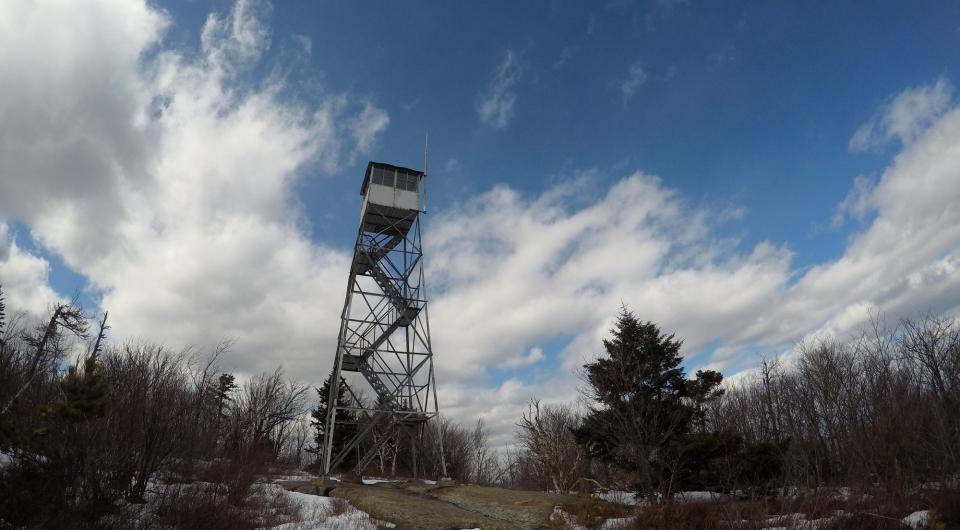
column 346, row 427
column 2, row 314
column 85, row 393
column 3, row 317
column 221, row 394
column 643, row 401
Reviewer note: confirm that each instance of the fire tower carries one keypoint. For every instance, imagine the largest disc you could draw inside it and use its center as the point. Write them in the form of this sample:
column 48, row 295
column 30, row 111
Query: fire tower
column 384, row 332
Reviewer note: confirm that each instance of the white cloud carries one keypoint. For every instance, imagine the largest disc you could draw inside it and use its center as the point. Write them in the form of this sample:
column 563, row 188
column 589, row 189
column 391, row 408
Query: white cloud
column 167, row 180
column 628, row 86
column 24, row 278
column 495, row 104
column 501, row 405
column 368, row 125
column 534, row 356
column 514, row 272
column 904, row 116
column 857, row 202
column 72, row 115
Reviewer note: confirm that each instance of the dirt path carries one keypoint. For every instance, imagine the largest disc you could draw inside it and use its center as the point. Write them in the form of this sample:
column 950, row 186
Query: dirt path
column 415, row 504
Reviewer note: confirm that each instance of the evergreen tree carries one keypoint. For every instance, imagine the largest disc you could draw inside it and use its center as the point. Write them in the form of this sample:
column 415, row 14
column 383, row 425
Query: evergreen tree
column 226, row 385
column 702, row 390
column 3, row 317
column 2, row 314
column 85, row 393
column 643, row 401
column 346, row 426
column 219, row 395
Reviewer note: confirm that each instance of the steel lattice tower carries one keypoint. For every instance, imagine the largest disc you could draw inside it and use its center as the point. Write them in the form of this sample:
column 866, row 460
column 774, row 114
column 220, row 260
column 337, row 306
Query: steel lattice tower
column 384, row 330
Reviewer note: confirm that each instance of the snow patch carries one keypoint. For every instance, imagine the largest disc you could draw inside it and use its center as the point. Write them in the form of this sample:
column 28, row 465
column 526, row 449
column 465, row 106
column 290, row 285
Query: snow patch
column 568, row 520
column 799, row 520
column 315, row 511
column 369, row 481
column 284, row 478
column 700, row 496
column 619, row 497
column 919, row 519
column 630, row 498
column 618, row 523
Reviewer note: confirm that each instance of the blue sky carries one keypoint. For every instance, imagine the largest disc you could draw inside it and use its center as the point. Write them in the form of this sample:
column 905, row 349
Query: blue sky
column 742, row 104
column 749, row 175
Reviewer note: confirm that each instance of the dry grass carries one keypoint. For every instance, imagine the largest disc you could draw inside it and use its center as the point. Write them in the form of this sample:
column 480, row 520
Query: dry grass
column 205, row 506
column 859, row 511
column 591, row 512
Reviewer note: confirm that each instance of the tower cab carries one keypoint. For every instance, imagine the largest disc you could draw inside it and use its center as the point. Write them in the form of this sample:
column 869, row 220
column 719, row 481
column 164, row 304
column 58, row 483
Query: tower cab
column 391, row 198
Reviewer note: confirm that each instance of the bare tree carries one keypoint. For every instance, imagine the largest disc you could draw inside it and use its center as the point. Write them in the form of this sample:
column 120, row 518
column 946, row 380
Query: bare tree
column 546, row 433
column 883, row 407
column 264, row 411
column 454, row 439
column 483, row 463
column 47, row 345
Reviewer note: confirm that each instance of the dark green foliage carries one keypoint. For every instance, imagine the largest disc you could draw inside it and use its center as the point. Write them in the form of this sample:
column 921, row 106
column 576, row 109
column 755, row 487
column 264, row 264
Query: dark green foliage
column 226, row 384
column 720, row 460
column 645, row 407
column 760, row 464
column 222, row 392
column 85, row 393
column 700, row 461
column 642, row 363
column 346, row 426
column 702, row 390
column 3, row 315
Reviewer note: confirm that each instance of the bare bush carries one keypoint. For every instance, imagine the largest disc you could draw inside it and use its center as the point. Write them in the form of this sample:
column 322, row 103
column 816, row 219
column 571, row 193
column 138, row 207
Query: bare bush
column 882, row 408
column 83, row 437
column 546, row 433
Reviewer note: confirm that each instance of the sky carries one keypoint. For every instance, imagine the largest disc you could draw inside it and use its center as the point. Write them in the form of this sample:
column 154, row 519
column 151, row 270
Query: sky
column 747, row 175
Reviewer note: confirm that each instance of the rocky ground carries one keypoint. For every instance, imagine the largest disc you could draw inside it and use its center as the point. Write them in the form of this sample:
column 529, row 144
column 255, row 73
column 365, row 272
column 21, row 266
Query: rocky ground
column 422, row 504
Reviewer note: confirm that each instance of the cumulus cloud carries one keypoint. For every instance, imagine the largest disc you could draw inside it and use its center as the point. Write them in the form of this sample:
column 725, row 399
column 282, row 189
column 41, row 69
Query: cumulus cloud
column 904, row 116
column 72, row 117
column 515, row 272
column 166, row 178
column 495, row 104
column 24, row 278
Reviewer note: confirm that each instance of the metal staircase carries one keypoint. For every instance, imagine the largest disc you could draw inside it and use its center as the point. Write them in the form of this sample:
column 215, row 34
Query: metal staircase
column 400, row 312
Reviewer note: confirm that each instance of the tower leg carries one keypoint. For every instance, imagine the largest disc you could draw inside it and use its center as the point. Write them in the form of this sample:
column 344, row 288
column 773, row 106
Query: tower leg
column 331, row 418
column 414, row 453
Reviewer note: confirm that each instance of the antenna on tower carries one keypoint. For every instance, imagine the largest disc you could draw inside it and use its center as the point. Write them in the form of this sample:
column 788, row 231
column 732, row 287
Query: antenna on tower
column 426, row 164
